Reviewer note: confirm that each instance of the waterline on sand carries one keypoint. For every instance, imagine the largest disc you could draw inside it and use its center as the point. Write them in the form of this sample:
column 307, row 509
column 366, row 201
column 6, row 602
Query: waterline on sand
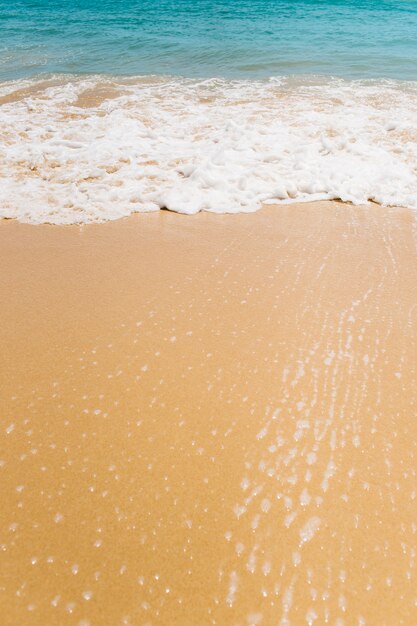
column 77, row 150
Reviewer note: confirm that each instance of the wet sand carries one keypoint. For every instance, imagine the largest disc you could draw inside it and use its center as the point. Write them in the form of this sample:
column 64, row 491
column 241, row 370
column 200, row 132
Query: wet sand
column 210, row 420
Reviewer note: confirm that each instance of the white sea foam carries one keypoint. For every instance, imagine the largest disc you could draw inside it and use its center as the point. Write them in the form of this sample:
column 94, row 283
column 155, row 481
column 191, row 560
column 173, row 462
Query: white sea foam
column 93, row 149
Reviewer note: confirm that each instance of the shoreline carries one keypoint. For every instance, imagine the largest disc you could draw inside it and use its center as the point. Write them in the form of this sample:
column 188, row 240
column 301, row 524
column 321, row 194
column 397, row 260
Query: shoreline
column 209, row 419
column 92, row 150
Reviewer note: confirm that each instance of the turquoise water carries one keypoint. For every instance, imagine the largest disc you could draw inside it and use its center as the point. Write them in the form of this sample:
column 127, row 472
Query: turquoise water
column 203, row 38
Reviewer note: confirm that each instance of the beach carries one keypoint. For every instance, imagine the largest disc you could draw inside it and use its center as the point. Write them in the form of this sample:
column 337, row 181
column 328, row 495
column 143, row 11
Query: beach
column 208, row 319
column 83, row 149
column 210, row 419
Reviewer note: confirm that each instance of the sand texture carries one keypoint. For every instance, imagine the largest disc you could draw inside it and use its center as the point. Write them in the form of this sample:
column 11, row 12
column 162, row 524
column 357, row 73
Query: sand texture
column 210, row 420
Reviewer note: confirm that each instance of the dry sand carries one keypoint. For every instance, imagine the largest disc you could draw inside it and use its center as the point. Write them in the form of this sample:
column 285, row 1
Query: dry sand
column 210, row 420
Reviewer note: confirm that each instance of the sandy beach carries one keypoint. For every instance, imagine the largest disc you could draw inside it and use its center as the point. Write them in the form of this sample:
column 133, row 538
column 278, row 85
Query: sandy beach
column 210, row 419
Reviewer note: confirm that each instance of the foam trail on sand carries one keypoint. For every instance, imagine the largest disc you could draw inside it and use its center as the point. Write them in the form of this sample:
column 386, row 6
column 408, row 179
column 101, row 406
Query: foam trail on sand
column 79, row 150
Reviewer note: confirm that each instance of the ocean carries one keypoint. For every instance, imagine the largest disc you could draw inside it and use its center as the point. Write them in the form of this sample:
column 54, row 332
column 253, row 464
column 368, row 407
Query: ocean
column 210, row 38
column 109, row 108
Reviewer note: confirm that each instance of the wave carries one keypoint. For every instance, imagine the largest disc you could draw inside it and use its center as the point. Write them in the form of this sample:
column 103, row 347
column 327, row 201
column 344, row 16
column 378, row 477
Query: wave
column 92, row 149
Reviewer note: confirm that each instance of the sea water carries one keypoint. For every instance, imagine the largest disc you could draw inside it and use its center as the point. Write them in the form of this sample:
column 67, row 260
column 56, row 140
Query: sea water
column 209, row 38
column 109, row 108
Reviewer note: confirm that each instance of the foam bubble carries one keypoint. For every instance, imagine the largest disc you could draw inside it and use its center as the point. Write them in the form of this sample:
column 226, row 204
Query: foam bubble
column 309, row 529
column 89, row 150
